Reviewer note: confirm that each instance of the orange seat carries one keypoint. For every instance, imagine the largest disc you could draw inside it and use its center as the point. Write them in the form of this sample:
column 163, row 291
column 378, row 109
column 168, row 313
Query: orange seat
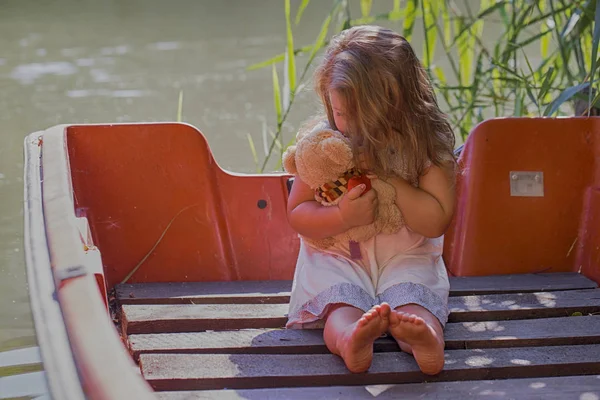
column 496, row 232
column 131, row 181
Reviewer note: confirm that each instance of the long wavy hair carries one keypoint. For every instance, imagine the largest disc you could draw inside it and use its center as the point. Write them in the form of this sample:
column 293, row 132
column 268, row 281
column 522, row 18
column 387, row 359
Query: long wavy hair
column 390, row 106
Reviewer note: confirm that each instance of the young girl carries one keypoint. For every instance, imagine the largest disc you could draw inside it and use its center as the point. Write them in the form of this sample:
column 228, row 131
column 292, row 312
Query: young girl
column 375, row 91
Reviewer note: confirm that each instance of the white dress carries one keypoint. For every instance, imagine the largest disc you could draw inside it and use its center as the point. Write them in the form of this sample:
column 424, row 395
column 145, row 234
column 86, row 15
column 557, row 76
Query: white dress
column 401, row 268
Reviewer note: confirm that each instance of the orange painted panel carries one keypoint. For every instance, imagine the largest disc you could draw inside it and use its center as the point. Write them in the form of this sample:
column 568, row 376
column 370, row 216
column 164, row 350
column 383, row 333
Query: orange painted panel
column 588, row 246
column 133, row 180
column 261, row 239
column 496, row 233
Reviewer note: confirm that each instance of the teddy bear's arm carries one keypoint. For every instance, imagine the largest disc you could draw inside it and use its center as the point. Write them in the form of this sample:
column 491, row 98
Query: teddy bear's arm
column 288, row 160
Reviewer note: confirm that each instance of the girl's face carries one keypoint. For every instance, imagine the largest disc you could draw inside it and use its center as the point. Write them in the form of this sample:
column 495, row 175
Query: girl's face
column 339, row 113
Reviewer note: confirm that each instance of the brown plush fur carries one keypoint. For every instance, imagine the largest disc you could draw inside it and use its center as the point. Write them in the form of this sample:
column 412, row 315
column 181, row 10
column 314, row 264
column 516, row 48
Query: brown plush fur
column 322, row 155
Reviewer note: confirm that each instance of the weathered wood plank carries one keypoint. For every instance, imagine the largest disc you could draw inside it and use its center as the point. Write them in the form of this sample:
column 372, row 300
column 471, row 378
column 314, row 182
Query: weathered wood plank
column 554, row 388
column 460, row 335
column 519, row 283
column 237, row 292
column 162, row 318
column 238, row 371
column 523, row 305
column 157, row 318
column 258, row 292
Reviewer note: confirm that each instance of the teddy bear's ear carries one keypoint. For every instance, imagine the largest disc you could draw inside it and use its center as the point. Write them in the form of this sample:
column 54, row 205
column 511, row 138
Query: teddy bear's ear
column 337, row 150
column 289, row 160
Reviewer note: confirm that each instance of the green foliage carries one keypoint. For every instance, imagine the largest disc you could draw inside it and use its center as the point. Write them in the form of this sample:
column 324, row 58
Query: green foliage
column 482, row 79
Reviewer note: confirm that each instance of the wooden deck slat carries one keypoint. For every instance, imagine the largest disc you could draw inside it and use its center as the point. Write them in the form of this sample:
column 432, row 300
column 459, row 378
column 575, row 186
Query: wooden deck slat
column 519, row 283
column 160, row 318
column 236, row 292
column 461, row 335
column 238, row 371
column 555, row 388
column 279, row 291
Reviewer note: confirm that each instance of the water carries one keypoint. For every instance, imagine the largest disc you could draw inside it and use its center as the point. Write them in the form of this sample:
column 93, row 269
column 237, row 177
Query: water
column 85, row 61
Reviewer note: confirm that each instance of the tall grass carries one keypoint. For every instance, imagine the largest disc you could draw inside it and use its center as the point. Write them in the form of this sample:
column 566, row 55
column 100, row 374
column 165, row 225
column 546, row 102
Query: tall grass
column 483, row 78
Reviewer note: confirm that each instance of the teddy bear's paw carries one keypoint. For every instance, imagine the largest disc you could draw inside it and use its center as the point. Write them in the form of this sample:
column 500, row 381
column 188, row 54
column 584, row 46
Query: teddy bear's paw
column 326, row 243
column 394, row 221
column 322, row 244
column 389, row 219
column 362, row 233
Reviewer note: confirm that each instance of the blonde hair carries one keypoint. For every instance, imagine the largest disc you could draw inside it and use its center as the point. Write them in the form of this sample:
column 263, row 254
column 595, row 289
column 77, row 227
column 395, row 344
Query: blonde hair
column 390, row 105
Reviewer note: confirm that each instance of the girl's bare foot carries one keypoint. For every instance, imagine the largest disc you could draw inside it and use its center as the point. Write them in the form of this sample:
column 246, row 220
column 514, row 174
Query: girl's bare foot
column 427, row 347
column 356, row 343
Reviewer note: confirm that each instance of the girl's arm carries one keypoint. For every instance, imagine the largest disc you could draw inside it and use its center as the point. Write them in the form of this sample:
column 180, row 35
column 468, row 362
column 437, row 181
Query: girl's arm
column 428, row 209
column 313, row 220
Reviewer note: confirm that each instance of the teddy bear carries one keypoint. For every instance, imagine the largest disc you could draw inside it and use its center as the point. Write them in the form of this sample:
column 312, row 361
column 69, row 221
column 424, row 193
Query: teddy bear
column 322, row 158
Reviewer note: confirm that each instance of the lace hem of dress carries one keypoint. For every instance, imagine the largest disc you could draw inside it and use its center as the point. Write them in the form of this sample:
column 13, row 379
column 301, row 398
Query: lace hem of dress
column 310, row 314
column 315, row 309
column 416, row 293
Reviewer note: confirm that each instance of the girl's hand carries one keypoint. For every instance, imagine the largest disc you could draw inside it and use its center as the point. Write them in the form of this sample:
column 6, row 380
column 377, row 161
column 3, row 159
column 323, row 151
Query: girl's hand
column 357, row 209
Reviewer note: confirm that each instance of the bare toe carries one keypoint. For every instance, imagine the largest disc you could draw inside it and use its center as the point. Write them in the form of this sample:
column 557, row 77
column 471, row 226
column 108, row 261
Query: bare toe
column 426, row 346
column 356, row 344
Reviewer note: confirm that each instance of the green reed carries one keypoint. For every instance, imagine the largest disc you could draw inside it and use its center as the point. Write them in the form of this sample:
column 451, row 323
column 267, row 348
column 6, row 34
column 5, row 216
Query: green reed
column 480, row 80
